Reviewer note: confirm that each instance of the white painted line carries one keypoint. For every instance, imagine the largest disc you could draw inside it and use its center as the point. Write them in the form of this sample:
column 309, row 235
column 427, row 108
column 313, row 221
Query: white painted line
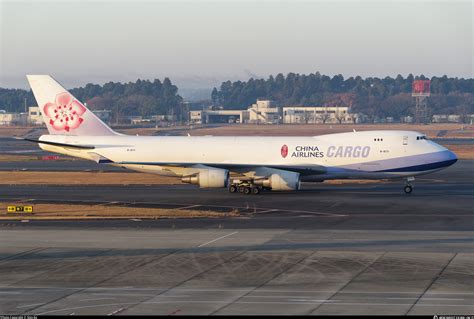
column 268, row 211
column 94, row 299
column 34, row 304
column 129, row 289
column 112, row 294
column 214, row 240
column 312, row 300
column 114, row 312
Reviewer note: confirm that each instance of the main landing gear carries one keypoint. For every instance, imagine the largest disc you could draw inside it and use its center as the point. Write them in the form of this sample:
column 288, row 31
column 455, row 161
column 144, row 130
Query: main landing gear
column 408, row 187
column 244, row 187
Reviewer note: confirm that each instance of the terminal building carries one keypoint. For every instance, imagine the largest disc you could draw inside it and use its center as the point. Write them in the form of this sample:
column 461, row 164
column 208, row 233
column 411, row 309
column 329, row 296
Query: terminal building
column 262, row 112
column 218, row 116
column 319, row 115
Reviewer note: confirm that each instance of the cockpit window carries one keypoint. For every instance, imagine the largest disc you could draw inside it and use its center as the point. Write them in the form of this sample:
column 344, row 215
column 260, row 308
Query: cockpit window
column 423, row 137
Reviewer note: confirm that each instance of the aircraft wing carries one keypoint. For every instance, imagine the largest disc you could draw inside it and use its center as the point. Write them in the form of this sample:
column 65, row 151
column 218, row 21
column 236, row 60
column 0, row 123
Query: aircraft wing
column 303, row 170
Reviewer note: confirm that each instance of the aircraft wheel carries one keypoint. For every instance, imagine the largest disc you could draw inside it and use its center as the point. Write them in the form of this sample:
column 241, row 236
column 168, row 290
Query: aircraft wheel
column 255, row 190
column 247, row 190
column 408, row 189
column 241, row 189
column 232, row 189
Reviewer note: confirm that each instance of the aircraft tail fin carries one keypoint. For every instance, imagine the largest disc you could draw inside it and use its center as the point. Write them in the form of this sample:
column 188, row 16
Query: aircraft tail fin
column 62, row 112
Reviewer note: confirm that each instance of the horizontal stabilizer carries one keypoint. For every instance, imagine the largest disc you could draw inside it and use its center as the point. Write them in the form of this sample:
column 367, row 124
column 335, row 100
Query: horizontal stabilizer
column 100, row 159
column 83, row 147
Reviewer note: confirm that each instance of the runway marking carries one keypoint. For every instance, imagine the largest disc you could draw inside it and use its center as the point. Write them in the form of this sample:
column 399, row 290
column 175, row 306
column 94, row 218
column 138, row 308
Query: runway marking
column 249, row 302
column 214, row 240
column 115, row 312
column 94, row 299
column 112, row 294
column 268, row 211
column 10, row 293
column 229, row 290
column 314, row 213
column 34, row 304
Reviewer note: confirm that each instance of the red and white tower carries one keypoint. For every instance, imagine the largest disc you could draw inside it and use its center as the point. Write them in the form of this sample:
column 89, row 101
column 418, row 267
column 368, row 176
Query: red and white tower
column 421, row 92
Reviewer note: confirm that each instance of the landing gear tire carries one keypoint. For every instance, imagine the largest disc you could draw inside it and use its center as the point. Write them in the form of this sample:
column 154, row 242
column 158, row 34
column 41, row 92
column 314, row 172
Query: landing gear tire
column 408, row 189
column 241, row 189
column 247, row 190
column 232, row 189
column 255, row 191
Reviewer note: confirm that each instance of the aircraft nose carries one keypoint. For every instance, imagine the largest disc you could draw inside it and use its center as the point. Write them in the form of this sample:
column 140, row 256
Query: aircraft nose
column 451, row 158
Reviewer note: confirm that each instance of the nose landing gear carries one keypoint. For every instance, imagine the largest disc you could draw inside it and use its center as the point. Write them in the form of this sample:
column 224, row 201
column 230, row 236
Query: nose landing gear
column 408, row 187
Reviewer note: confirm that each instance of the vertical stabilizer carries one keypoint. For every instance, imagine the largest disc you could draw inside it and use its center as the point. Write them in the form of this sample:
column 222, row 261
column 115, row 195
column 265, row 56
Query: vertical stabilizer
column 62, row 112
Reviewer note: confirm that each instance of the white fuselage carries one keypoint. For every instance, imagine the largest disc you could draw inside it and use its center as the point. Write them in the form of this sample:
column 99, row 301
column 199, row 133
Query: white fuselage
column 368, row 154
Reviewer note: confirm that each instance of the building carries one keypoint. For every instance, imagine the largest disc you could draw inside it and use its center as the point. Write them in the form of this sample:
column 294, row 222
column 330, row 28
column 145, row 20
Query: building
column 104, row 115
column 263, row 112
column 34, row 116
column 13, row 118
column 319, row 114
column 218, row 116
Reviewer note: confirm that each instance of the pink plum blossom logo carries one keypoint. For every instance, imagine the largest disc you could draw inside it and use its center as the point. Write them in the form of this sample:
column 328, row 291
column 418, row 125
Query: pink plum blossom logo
column 284, row 151
column 65, row 114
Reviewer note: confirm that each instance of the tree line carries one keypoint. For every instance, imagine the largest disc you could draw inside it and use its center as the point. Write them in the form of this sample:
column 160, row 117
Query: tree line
column 375, row 97
column 142, row 97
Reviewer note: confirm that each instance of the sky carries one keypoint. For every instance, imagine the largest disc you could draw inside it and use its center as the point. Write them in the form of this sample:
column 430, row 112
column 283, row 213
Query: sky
column 199, row 44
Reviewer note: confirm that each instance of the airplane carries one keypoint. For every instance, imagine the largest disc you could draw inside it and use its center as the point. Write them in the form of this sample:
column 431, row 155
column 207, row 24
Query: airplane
column 243, row 164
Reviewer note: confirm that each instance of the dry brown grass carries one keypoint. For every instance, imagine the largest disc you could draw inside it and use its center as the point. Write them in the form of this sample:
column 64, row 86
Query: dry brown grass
column 84, row 178
column 62, row 211
column 19, row 130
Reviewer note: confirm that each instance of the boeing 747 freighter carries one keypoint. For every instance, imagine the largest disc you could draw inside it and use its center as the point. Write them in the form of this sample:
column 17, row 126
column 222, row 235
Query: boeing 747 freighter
column 247, row 164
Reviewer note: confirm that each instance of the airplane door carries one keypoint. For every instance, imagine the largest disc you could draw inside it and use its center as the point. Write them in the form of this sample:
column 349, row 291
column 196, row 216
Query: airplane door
column 405, row 140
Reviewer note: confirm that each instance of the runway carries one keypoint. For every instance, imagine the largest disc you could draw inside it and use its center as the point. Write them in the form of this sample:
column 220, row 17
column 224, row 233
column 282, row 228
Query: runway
column 85, row 271
column 329, row 249
column 440, row 201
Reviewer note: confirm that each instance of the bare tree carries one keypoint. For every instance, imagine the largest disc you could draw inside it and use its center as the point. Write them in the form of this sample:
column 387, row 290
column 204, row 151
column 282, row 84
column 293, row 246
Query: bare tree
column 340, row 116
column 324, row 117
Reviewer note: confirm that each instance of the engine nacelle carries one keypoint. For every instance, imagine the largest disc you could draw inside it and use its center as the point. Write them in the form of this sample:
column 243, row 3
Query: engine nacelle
column 284, row 181
column 208, row 178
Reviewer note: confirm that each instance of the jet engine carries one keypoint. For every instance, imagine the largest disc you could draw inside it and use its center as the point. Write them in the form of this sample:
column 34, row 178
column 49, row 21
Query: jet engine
column 208, row 178
column 284, row 181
